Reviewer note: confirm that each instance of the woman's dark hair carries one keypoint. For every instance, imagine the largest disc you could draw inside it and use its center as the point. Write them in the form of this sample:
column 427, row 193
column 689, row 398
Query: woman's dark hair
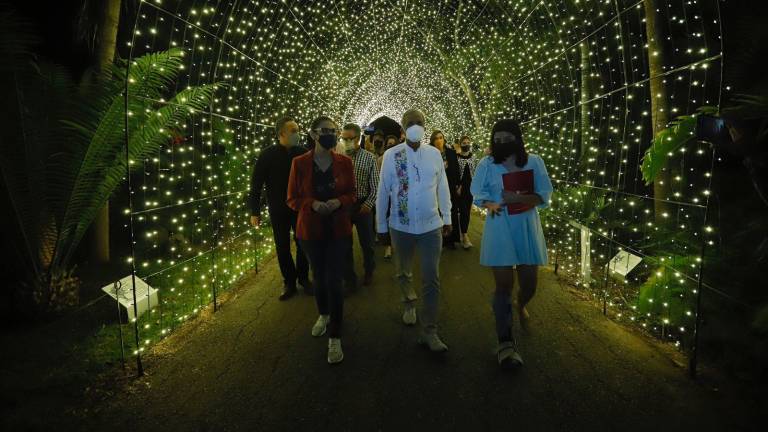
column 388, row 137
column 501, row 154
column 316, row 122
column 465, row 137
column 434, row 135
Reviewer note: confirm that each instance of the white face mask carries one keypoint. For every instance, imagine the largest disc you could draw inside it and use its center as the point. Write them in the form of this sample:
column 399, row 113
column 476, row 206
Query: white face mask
column 415, row 133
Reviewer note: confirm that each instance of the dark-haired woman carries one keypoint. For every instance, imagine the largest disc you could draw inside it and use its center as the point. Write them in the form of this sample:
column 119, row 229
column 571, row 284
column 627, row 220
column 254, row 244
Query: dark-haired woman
column 466, row 169
column 437, row 140
column 512, row 237
column 321, row 188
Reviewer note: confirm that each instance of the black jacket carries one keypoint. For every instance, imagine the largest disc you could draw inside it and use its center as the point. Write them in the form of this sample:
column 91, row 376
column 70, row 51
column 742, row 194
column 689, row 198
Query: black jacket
column 273, row 168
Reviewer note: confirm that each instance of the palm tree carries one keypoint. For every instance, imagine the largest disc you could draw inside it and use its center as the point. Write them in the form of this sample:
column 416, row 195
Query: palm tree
column 63, row 150
column 100, row 21
column 662, row 183
column 584, row 95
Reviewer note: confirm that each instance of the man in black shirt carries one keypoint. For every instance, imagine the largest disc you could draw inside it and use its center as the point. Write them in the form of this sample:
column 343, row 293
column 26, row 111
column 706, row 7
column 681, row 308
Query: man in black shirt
column 273, row 169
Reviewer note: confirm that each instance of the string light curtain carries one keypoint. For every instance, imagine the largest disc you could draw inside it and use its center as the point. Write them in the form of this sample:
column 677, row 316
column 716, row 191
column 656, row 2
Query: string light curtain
column 587, row 79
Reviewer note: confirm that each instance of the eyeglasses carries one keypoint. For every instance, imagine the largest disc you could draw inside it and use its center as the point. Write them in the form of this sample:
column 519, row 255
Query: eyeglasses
column 326, row 131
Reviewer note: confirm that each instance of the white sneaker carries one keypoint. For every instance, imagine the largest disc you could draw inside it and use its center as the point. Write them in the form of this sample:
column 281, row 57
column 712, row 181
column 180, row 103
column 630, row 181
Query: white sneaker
column 320, row 325
column 508, row 356
column 388, row 252
column 409, row 315
column 433, row 342
column 465, row 243
column 335, row 354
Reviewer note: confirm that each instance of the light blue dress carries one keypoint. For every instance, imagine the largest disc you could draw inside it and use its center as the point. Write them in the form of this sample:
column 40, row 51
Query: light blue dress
column 509, row 240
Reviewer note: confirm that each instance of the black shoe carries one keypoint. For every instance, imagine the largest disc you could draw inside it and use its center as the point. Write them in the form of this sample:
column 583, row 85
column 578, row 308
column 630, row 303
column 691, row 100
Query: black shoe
column 288, row 292
column 450, row 245
column 306, row 285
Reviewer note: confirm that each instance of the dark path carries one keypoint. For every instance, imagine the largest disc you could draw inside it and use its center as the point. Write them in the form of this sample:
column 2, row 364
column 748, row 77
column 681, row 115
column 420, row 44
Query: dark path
column 254, row 366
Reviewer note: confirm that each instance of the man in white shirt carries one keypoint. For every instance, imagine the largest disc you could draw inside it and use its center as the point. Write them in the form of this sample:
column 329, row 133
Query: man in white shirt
column 413, row 185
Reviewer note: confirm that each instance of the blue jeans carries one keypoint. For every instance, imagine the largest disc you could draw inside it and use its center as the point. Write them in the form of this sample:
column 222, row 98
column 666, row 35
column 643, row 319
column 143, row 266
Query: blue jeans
column 429, row 246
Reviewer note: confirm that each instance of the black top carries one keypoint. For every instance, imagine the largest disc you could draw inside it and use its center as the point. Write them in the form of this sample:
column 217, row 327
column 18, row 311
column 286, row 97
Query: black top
column 465, row 177
column 273, row 168
column 325, row 188
column 324, row 183
column 452, row 170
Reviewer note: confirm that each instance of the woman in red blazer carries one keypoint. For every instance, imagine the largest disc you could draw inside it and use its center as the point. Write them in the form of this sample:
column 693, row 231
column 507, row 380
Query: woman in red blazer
column 321, row 188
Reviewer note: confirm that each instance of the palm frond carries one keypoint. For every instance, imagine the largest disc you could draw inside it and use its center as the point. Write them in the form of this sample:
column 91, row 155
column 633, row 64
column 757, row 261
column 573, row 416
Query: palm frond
column 102, row 171
column 666, row 142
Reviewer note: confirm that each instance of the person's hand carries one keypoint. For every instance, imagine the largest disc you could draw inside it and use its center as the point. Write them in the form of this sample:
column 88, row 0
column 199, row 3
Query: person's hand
column 255, row 221
column 493, row 208
column 364, row 209
column 320, row 207
column 458, row 191
column 333, row 204
column 447, row 230
column 511, row 197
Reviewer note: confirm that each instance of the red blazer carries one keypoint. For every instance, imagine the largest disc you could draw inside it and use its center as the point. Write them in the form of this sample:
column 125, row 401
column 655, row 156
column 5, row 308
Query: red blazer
column 301, row 195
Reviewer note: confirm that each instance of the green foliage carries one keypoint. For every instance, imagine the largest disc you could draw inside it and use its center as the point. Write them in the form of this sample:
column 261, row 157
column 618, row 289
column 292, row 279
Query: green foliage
column 665, row 293
column 669, row 140
column 580, row 203
column 64, row 146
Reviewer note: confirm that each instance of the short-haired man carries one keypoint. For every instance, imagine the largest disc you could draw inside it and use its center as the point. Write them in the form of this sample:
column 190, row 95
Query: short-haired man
column 367, row 181
column 273, row 168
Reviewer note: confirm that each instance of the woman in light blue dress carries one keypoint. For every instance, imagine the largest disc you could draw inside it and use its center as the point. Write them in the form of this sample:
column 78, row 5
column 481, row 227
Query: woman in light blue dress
column 511, row 241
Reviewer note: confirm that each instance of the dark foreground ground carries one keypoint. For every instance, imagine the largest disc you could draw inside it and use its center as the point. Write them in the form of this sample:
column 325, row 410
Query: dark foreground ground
column 253, row 366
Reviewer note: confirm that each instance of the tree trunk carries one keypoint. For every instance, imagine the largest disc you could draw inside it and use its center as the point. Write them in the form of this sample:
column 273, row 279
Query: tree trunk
column 662, row 184
column 104, row 54
column 585, row 94
column 470, row 95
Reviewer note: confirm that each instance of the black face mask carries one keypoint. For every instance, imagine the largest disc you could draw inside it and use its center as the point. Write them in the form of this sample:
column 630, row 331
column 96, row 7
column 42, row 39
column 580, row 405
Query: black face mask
column 509, row 147
column 465, row 149
column 327, row 141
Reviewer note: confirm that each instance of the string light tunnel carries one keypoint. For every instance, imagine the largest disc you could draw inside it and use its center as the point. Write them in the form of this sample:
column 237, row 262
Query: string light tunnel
column 589, row 80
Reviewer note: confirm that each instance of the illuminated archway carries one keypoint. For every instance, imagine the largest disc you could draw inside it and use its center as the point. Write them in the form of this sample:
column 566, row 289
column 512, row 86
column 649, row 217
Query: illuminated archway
column 578, row 74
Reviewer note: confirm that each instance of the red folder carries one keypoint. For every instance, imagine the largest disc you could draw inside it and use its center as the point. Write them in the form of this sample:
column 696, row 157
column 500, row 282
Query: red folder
column 522, row 183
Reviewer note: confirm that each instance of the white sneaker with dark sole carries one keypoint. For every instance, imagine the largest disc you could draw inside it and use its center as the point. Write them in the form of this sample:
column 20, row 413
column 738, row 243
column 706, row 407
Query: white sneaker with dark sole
column 320, row 325
column 466, row 244
column 409, row 316
column 335, row 354
column 433, row 342
column 508, row 356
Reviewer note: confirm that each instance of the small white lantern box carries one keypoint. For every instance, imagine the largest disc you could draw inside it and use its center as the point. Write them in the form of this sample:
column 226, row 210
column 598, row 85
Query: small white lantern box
column 622, row 264
column 122, row 291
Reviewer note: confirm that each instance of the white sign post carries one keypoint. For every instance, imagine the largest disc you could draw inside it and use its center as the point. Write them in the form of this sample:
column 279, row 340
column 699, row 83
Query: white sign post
column 623, row 263
column 122, row 291
column 586, row 252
